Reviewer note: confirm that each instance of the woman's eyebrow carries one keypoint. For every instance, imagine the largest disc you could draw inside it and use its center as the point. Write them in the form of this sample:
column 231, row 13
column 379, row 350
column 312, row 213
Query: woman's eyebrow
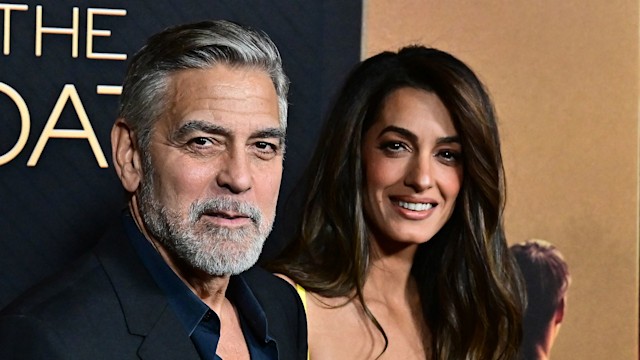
column 401, row 131
column 413, row 137
column 455, row 139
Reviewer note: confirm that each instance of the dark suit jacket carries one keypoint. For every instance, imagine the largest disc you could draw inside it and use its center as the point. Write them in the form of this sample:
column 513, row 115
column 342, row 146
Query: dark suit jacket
column 107, row 306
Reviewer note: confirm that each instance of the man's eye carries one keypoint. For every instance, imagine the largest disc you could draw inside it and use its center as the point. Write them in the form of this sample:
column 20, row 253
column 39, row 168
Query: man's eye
column 204, row 146
column 263, row 145
column 266, row 150
column 200, row 141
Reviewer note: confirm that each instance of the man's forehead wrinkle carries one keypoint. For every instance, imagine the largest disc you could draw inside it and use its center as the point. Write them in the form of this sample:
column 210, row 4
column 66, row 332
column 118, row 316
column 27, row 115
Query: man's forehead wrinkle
column 221, row 91
column 219, row 102
column 219, row 96
column 236, row 87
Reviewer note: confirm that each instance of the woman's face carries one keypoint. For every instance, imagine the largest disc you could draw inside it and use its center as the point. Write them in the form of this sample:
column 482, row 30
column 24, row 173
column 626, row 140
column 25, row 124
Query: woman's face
column 412, row 160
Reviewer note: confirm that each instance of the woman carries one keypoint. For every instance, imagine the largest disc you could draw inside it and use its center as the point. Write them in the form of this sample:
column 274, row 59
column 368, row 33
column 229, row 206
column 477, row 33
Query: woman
column 401, row 248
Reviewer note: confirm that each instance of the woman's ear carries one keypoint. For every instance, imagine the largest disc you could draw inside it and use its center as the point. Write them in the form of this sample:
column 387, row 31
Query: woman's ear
column 126, row 157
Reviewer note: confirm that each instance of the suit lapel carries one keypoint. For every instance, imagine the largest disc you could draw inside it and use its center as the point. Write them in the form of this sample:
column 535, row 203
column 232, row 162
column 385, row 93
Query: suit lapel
column 144, row 306
column 162, row 343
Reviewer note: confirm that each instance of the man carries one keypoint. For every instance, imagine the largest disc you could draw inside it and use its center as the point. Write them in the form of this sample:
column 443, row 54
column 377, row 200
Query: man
column 199, row 146
column 547, row 279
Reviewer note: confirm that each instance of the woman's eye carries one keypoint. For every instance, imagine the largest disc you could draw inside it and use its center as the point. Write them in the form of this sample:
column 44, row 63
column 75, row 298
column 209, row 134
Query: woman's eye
column 449, row 155
column 393, row 146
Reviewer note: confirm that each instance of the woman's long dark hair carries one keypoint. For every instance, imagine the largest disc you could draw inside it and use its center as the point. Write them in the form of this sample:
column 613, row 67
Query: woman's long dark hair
column 469, row 288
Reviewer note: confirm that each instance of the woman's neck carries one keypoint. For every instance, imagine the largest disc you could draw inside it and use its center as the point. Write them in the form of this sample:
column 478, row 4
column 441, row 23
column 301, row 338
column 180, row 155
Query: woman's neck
column 389, row 277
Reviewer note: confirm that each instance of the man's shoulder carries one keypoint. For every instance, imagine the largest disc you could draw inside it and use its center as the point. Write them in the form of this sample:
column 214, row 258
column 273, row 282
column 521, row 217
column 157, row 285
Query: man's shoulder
column 265, row 283
column 258, row 274
column 53, row 317
column 284, row 310
column 100, row 303
column 83, row 282
column 277, row 297
column 53, row 295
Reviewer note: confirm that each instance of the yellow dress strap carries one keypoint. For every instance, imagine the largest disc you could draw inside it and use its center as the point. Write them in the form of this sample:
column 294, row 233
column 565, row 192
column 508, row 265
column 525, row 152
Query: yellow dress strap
column 303, row 296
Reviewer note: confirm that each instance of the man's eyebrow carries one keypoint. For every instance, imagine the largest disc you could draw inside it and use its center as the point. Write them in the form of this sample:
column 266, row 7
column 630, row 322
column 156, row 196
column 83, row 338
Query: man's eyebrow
column 207, row 127
column 274, row 132
column 199, row 125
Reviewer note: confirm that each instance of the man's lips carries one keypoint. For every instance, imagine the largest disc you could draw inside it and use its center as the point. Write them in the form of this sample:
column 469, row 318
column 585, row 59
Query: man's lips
column 226, row 211
column 228, row 218
column 227, row 215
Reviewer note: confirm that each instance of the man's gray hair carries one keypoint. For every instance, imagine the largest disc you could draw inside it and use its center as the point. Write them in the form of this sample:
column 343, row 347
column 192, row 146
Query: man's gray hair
column 193, row 46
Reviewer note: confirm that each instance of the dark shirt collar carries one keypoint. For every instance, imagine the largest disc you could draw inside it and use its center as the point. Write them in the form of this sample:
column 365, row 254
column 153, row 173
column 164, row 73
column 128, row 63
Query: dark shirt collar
column 193, row 312
column 239, row 293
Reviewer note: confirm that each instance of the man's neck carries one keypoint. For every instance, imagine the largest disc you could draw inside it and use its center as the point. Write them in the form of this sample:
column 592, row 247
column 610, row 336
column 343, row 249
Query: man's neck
column 209, row 288
column 542, row 353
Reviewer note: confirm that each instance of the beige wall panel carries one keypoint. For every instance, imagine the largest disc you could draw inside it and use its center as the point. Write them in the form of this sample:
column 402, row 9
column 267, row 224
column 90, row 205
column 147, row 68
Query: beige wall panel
column 564, row 78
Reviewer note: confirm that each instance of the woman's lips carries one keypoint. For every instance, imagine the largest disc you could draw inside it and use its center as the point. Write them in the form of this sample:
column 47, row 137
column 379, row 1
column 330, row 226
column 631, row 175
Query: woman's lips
column 416, row 209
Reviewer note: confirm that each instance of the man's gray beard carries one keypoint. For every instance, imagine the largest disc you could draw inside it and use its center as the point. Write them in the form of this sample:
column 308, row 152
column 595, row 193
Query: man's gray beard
column 214, row 249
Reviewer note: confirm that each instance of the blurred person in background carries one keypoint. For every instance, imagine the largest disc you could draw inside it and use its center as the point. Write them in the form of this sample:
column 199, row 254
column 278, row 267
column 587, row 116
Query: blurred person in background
column 547, row 279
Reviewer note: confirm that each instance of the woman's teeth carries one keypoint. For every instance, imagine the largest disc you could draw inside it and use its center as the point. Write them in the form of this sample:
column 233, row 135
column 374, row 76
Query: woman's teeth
column 415, row 206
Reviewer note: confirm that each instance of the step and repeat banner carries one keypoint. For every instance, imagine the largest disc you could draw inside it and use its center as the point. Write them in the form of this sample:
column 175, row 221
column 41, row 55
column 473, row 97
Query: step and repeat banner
column 61, row 68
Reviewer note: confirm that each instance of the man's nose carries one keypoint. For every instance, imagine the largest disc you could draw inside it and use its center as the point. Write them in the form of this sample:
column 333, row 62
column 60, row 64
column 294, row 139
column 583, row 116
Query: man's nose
column 234, row 173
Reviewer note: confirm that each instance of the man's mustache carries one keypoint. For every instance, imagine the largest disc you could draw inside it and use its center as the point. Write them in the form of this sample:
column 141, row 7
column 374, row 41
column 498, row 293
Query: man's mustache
column 225, row 204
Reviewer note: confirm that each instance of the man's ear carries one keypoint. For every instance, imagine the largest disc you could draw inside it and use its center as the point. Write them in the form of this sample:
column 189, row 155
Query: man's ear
column 559, row 314
column 126, row 157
